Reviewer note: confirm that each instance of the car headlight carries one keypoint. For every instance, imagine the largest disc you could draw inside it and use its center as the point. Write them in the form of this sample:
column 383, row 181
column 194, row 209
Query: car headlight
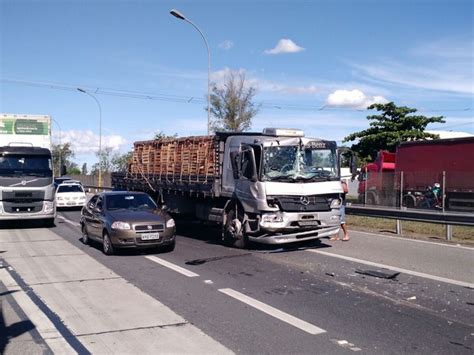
column 170, row 223
column 335, row 203
column 59, row 198
column 120, row 225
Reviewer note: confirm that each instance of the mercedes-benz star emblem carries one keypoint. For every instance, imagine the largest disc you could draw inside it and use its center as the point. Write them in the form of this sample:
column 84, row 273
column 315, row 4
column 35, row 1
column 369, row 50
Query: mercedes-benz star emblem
column 149, row 227
column 304, row 200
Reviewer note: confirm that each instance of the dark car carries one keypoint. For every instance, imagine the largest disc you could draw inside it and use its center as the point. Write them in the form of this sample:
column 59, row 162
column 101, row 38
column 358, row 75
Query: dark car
column 121, row 219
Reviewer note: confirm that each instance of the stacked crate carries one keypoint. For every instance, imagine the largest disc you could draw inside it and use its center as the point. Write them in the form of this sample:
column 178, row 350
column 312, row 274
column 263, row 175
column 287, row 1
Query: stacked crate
column 176, row 159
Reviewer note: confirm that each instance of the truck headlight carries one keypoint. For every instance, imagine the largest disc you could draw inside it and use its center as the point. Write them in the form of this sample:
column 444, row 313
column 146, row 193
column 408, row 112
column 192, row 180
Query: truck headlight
column 59, row 198
column 120, row 225
column 336, row 203
column 48, row 207
column 170, row 223
column 272, row 218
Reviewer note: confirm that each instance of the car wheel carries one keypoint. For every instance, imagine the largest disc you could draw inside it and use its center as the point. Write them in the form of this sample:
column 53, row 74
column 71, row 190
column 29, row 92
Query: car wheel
column 85, row 234
column 168, row 248
column 107, row 246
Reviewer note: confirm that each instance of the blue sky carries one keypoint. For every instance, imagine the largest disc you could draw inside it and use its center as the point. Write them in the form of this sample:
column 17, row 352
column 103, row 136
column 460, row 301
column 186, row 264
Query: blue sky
column 316, row 64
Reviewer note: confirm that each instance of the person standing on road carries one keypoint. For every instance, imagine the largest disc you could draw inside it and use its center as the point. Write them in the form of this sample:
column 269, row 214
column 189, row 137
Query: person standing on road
column 345, row 190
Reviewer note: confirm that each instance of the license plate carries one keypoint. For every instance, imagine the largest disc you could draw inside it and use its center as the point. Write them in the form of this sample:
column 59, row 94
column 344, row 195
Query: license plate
column 308, row 223
column 150, row 236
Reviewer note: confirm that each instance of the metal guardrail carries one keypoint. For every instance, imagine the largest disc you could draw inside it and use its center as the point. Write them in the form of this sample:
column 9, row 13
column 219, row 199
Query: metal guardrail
column 463, row 219
column 447, row 218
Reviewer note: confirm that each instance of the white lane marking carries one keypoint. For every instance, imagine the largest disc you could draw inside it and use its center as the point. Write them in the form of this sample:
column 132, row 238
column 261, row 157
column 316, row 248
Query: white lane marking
column 75, row 224
column 171, row 266
column 43, row 325
column 285, row 317
column 394, row 268
column 415, row 240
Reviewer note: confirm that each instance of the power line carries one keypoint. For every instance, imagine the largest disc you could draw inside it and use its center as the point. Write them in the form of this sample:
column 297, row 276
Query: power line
column 195, row 99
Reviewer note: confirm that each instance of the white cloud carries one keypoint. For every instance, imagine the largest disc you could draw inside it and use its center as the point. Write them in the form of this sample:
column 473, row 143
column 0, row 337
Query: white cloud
column 285, row 46
column 87, row 142
column 352, row 99
column 443, row 65
column 226, row 45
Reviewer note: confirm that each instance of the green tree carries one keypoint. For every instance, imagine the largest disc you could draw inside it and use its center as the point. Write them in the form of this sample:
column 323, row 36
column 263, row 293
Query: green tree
column 84, row 169
column 104, row 158
column 73, row 171
column 62, row 155
column 120, row 162
column 394, row 125
column 232, row 106
column 161, row 135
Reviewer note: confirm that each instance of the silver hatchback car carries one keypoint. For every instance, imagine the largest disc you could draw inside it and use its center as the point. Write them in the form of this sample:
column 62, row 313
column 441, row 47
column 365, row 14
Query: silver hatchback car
column 127, row 220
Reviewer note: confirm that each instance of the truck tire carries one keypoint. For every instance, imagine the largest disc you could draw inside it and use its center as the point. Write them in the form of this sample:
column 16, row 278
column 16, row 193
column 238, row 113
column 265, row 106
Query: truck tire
column 48, row 223
column 233, row 232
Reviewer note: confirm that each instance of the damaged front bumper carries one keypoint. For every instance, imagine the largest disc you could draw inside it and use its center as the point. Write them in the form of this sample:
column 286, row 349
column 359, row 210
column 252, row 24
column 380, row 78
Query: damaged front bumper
column 285, row 227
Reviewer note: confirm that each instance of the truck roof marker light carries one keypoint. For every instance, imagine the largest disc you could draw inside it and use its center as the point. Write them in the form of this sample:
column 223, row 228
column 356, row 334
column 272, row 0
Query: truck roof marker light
column 283, row 132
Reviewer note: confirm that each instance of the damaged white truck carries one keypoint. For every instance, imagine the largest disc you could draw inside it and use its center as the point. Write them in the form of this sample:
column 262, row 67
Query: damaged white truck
column 273, row 187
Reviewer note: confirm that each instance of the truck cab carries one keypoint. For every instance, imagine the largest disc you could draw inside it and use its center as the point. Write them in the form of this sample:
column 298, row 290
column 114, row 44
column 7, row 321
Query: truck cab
column 283, row 187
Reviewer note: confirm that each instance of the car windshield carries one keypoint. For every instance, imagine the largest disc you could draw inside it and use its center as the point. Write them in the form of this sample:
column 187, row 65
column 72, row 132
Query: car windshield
column 316, row 161
column 33, row 165
column 130, row 202
column 70, row 188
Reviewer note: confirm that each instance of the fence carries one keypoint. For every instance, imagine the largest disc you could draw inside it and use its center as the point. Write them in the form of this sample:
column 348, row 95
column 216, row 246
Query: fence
column 443, row 191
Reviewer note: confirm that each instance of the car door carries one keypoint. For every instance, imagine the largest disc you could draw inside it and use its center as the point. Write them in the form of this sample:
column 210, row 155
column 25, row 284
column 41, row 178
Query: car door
column 97, row 218
column 87, row 215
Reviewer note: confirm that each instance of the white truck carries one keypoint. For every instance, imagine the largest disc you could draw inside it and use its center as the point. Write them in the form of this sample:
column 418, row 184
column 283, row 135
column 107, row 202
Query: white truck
column 274, row 187
column 26, row 171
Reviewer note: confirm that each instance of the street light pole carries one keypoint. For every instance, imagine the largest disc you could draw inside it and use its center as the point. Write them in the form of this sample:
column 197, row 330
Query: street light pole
column 180, row 16
column 100, row 133
column 60, row 148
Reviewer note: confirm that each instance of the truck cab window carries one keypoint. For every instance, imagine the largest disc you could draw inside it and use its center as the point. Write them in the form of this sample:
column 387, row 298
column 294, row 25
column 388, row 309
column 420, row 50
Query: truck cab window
column 246, row 166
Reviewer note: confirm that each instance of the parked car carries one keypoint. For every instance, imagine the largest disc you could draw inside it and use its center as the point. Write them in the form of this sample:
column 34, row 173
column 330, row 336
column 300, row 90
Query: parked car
column 70, row 194
column 124, row 219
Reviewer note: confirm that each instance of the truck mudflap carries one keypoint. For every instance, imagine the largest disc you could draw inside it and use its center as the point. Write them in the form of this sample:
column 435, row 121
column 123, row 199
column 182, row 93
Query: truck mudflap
column 283, row 238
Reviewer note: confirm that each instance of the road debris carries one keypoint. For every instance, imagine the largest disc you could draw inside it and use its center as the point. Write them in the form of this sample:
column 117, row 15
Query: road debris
column 214, row 258
column 379, row 274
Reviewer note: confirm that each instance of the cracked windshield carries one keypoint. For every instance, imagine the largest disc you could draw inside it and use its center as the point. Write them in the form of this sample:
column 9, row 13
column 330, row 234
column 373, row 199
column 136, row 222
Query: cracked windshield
column 313, row 161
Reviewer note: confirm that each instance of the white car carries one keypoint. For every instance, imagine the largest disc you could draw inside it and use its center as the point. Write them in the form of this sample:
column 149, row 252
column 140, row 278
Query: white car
column 70, row 195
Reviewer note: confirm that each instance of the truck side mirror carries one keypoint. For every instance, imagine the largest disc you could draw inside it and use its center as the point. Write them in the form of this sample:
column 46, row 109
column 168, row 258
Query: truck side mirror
column 353, row 165
column 63, row 170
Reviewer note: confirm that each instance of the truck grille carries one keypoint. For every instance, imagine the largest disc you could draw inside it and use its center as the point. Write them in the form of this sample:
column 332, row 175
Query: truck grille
column 301, row 203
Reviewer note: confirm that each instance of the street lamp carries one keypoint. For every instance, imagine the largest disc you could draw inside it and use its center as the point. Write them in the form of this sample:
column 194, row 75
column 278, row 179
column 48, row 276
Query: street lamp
column 60, row 148
column 180, row 16
column 100, row 133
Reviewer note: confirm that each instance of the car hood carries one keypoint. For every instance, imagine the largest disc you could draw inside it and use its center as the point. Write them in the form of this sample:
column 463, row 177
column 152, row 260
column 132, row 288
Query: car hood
column 132, row 216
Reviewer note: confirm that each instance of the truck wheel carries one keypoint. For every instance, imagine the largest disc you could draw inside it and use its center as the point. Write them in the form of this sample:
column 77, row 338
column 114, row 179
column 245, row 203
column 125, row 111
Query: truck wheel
column 233, row 232
column 48, row 223
column 107, row 246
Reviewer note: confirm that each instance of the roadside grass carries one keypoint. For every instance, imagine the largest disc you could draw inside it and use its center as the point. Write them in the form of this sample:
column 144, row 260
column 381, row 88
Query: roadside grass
column 415, row 230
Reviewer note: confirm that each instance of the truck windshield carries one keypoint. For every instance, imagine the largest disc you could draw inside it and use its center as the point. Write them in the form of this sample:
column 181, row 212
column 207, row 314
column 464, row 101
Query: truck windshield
column 315, row 162
column 32, row 165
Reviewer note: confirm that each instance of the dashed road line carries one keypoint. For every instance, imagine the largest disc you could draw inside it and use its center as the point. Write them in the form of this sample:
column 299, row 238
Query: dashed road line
column 172, row 266
column 285, row 317
column 394, row 268
column 75, row 224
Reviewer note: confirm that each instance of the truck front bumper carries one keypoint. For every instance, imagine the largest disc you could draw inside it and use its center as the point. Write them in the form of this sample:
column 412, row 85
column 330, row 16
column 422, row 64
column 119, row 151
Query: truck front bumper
column 47, row 212
column 287, row 227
